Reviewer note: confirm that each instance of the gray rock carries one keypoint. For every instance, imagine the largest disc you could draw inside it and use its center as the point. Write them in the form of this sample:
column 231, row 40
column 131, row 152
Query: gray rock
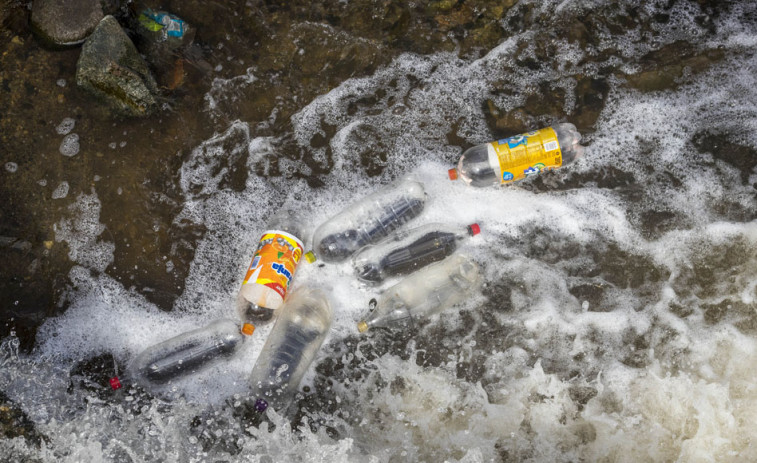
column 111, row 68
column 64, row 23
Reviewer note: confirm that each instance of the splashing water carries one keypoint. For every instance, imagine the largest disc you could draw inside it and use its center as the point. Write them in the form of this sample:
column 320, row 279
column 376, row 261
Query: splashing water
column 619, row 315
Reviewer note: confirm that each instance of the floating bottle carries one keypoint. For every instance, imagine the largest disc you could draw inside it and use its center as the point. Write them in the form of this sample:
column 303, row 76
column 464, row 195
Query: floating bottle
column 272, row 268
column 368, row 220
column 407, row 251
column 425, row 292
column 184, row 354
column 515, row 158
column 295, row 338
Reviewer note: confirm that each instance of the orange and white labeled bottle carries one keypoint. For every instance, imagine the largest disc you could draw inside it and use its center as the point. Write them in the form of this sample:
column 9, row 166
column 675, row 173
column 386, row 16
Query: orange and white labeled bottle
column 272, row 269
column 515, row 158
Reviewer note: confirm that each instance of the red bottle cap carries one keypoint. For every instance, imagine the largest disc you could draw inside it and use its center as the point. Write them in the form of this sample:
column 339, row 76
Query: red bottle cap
column 452, row 174
column 115, row 383
column 474, row 229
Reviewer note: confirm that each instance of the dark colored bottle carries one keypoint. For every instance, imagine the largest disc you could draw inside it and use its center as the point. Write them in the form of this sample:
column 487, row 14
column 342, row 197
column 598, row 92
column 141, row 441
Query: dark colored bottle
column 368, row 221
column 185, row 354
column 407, row 251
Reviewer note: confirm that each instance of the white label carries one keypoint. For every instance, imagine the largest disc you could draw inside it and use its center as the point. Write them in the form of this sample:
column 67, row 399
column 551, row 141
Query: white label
column 551, row 146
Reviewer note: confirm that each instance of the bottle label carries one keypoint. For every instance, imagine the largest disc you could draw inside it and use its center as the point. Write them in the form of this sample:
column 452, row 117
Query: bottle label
column 275, row 261
column 527, row 154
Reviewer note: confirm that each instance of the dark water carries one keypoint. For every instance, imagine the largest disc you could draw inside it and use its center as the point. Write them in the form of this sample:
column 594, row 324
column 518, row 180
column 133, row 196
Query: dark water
column 619, row 316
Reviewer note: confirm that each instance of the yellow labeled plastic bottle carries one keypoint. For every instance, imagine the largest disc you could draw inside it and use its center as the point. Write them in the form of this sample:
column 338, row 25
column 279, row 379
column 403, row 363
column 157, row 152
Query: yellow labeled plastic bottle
column 515, row 158
column 272, row 269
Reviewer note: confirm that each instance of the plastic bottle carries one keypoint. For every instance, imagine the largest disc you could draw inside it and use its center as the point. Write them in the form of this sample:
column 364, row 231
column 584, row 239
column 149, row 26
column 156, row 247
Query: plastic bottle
column 272, row 268
column 407, row 251
column 291, row 346
column 425, row 292
column 368, row 220
column 185, row 354
column 515, row 158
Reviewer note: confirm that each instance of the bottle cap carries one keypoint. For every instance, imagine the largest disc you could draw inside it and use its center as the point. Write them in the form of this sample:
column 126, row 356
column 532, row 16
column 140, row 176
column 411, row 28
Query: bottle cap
column 115, row 383
column 362, row 326
column 310, row 257
column 474, row 229
column 452, row 174
column 248, row 329
column 261, row 405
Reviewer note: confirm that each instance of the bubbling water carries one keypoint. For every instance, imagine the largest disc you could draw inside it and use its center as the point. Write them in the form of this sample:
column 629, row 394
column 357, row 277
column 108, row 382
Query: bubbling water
column 618, row 321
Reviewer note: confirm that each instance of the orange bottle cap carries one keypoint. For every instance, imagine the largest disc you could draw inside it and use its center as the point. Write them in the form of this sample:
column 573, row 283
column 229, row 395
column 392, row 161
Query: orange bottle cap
column 248, row 329
column 452, row 174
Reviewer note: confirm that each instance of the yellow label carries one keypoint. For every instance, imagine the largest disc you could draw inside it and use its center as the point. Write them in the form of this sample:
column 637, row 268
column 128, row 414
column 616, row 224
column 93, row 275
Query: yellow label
column 275, row 261
column 527, row 154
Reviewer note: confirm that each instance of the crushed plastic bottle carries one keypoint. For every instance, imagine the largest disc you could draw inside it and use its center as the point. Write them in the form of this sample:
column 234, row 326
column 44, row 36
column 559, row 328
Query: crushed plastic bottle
column 407, row 251
column 368, row 221
column 184, row 354
column 515, row 158
column 425, row 292
column 160, row 21
column 295, row 338
column 272, row 268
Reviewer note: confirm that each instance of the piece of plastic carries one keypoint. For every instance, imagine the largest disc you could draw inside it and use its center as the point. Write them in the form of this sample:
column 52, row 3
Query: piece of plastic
column 168, row 24
column 295, row 338
column 425, row 292
column 184, row 354
column 515, row 158
column 369, row 220
column 409, row 250
column 272, row 269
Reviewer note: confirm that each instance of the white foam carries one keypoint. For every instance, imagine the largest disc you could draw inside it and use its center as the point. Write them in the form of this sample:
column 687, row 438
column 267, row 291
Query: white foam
column 66, row 126
column 70, row 145
column 660, row 384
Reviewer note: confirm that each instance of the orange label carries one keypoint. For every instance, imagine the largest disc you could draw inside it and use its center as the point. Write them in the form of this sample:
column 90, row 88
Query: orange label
column 275, row 261
column 528, row 154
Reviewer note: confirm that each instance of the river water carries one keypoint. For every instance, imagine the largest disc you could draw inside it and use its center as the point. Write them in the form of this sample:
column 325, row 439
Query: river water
column 618, row 321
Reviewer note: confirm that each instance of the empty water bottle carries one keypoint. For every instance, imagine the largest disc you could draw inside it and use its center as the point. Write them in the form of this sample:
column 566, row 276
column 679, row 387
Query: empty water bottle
column 368, row 220
column 407, row 251
column 425, row 292
column 518, row 157
column 295, row 338
column 272, row 268
column 184, row 354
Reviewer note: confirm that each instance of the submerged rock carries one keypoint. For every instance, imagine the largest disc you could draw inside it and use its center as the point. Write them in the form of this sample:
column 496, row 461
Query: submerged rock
column 111, row 68
column 65, row 23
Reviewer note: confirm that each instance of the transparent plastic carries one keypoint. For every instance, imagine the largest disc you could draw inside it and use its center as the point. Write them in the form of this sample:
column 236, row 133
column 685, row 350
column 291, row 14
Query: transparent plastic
column 479, row 166
column 407, row 251
column 425, row 292
column 185, row 354
column 295, row 338
column 369, row 220
column 272, row 269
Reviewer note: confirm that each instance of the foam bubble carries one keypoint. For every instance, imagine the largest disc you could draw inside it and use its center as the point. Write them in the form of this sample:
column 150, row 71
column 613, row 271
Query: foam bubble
column 70, row 145
column 61, row 191
column 66, row 126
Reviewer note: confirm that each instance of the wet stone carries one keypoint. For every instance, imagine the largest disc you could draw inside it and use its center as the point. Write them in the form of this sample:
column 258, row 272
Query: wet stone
column 111, row 68
column 65, row 23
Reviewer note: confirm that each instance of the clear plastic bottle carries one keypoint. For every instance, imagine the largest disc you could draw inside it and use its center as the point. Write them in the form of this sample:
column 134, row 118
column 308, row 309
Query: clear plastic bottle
column 272, row 268
column 184, row 354
column 515, row 158
column 295, row 338
column 368, row 220
column 407, row 251
column 425, row 292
